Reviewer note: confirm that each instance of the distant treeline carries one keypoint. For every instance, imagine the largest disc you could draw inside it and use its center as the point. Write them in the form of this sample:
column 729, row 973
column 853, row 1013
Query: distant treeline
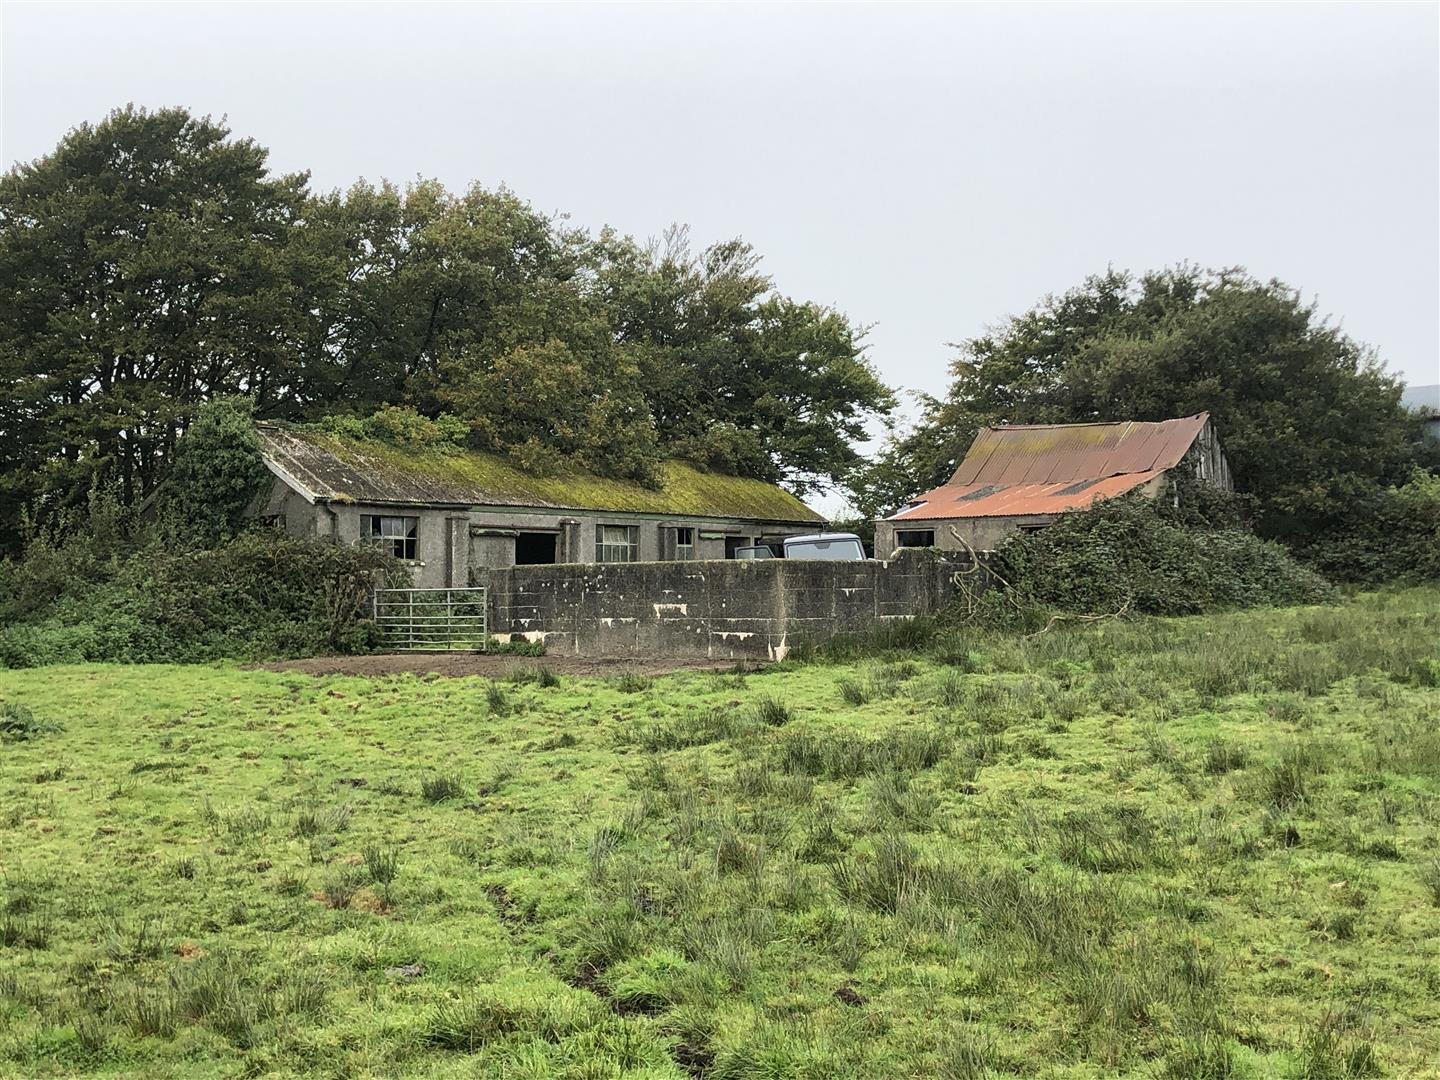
column 152, row 263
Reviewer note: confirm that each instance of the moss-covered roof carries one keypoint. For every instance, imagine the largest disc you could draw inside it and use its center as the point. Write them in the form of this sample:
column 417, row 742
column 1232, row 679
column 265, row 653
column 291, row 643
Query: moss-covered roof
column 333, row 468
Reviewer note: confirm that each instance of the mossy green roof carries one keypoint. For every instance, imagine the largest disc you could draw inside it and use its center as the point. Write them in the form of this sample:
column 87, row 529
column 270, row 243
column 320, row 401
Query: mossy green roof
column 338, row 469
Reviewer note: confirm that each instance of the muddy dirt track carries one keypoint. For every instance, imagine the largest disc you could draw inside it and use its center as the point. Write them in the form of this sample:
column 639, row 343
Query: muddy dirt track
column 488, row 665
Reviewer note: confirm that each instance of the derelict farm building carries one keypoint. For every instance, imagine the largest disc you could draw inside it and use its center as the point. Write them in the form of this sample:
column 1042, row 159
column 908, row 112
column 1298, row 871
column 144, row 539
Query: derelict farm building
column 453, row 515
column 1021, row 477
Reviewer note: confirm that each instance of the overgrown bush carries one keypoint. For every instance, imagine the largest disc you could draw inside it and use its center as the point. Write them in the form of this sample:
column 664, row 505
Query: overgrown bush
column 18, row 723
column 1128, row 554
column 1391, row 535
column 216, row 474
column 402, row 425
column 262, row 595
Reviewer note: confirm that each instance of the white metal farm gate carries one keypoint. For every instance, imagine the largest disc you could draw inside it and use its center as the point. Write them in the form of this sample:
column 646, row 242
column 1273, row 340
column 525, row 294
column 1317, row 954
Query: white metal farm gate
column 439, row 620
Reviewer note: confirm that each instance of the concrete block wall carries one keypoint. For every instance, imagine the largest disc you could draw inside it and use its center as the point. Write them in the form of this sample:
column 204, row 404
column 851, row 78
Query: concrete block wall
column 713, row 609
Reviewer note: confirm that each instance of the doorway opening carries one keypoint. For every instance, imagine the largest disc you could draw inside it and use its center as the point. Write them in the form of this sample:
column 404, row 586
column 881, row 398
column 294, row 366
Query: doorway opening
column 533, row 549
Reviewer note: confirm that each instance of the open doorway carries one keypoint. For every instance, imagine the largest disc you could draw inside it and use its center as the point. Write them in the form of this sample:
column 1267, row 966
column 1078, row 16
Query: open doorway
column 534, row 548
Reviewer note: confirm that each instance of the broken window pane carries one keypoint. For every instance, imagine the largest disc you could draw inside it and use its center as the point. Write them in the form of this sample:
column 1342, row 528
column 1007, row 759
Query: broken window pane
column 395, row 535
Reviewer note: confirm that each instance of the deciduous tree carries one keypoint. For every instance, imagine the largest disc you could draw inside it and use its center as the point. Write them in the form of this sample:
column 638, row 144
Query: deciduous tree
column 1309, row 419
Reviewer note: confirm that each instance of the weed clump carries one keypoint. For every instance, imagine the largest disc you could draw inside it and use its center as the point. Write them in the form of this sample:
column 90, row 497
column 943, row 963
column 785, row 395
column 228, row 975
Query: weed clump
column 18, row 723
column 495, row 699
column 698, row 728
column 540, row 675
column 440, row 787
column 772, row 712
column 1430, row 878
column 633, row 682
column 1288, row 781
column 314, row 820
column 383, row 864
column 1333, row 1050
column 1222, row 757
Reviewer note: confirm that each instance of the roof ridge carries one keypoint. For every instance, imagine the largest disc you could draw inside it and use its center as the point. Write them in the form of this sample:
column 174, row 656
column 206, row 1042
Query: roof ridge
column 1092, row 423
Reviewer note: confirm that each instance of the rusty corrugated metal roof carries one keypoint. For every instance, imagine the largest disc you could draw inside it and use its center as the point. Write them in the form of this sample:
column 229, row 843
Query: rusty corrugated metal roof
column 1018, row 500
column 1050, row 453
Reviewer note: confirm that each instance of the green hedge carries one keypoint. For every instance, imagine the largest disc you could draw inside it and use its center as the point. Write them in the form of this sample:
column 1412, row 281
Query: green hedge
column 262, row 595
column 1391, row 535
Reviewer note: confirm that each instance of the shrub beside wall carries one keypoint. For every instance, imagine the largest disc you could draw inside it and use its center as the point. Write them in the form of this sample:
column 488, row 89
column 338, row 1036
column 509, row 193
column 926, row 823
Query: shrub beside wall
column 262, row 595
column 1131, row 554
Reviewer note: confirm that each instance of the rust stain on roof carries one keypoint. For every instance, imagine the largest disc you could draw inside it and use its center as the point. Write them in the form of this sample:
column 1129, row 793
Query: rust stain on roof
column 1050, row 453
column 1025, row 469
column 1018, row 500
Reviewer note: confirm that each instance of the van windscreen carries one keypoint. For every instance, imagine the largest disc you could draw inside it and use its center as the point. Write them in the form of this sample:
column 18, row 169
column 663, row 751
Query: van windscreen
column 847, row 550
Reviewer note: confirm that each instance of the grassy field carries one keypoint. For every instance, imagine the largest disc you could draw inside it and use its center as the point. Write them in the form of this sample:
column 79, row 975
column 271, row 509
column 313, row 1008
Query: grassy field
column 1189, row 848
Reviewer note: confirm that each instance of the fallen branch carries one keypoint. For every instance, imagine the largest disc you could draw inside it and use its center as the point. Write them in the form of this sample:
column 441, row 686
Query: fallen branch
column 964, row 587
column 1061, row 616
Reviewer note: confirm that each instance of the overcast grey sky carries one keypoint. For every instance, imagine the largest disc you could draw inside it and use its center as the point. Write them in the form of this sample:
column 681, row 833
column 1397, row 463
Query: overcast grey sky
column 927, row 169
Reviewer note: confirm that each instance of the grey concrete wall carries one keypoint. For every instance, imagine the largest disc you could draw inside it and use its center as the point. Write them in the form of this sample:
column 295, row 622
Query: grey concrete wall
column 716, row 609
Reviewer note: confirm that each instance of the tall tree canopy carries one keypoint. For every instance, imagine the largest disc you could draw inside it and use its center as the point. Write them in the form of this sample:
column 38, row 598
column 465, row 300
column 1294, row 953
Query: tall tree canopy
column 152, row 262
column 146, row 264
column 1308, row 418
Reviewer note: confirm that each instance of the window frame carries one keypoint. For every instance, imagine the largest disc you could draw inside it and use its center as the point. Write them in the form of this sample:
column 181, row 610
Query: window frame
column 403, row 545
column 685, row 542
column 605, row 547
column 914, row 532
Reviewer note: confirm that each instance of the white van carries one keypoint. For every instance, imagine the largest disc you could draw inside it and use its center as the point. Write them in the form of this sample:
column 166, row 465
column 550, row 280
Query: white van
column 835, row 547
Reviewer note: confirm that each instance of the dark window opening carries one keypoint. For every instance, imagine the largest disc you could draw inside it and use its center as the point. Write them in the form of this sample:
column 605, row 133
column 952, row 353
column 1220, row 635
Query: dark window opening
column 734, row 544
column 393, row 534
column 535, row 549
column 915, row 538
column 684, row 543
column 755, row 551
column 617, row 543
column 1034, row 528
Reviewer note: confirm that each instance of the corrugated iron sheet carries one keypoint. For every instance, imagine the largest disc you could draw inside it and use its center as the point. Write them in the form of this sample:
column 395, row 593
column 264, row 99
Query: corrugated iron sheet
column 1050, row 453
column 1018, row 500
